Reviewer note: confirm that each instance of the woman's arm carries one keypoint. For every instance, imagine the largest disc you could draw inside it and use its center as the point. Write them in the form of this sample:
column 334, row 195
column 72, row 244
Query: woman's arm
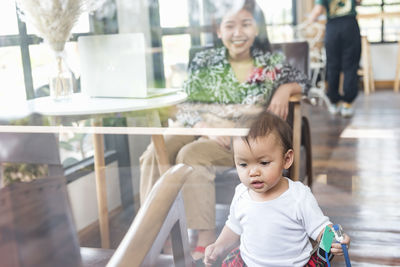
column 315, row 13
column 225, row 242
column 279, row 103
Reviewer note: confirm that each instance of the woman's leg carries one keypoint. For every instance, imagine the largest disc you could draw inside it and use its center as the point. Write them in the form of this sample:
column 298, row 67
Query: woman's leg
column 350, row 59
column 149, row 173
column 333, row 60
column 207, row 158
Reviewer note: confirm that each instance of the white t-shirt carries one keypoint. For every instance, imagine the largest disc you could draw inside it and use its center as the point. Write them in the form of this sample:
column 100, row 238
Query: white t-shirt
column 276, row 232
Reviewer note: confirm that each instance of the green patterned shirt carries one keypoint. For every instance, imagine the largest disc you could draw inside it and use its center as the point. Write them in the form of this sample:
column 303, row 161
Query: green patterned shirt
column 212, row 80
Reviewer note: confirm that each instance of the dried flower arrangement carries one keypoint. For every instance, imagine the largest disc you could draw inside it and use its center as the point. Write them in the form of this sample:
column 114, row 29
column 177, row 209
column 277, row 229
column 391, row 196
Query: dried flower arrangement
column 54, row 20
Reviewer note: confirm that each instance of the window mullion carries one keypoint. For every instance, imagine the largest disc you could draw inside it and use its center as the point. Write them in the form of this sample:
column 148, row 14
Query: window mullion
column 156, row 36
column 26, row 59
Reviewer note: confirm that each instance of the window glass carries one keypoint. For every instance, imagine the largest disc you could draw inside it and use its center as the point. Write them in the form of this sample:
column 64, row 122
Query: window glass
column 11, row 75
column 277, row 12
column 371, row 2
column 369, row 26
column 391, row 30
column 170, row 16
column 206, row 38
column 280, row 33
column 176, row 58
column 43, row 62
column 368, row 9
column 8, row 18
column 75, row 147
column 391, row 2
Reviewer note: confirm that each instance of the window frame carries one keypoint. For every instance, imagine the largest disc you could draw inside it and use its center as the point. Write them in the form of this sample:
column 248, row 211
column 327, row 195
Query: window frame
column 382, row 6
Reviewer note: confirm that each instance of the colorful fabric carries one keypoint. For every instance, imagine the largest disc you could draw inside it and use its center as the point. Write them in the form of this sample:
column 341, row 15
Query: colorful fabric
column 212, row 79
column 235, row 260
column 212, row 82
column 338, row 8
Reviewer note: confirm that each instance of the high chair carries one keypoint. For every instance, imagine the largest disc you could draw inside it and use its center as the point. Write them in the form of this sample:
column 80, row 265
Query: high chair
column 366, row 70
column 397, row 78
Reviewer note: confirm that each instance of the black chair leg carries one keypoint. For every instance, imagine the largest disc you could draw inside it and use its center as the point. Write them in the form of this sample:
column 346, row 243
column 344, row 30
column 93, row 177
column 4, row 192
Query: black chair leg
column 306, row 142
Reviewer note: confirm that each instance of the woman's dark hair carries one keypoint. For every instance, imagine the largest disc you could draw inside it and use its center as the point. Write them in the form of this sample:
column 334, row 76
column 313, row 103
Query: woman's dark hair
column 261, row 42
column 266, row 123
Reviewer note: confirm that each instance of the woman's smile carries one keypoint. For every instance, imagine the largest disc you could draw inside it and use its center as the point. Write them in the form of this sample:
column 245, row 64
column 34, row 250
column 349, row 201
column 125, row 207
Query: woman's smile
column 239, row 42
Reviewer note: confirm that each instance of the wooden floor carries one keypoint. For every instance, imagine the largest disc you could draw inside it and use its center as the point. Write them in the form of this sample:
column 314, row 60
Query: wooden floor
column 356, row 179
column 356, row 165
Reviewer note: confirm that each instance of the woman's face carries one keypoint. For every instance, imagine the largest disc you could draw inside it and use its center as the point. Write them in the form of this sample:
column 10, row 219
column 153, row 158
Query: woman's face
column 237, row 32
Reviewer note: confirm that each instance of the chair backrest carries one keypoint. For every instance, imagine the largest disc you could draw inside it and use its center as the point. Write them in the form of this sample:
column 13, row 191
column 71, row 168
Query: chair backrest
column 36, row 225
column 297, row 54
column 31, row 148
column 162, row 214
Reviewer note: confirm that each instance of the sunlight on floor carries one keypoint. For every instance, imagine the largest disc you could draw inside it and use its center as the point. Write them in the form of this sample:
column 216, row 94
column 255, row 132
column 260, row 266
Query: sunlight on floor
column 351, row 132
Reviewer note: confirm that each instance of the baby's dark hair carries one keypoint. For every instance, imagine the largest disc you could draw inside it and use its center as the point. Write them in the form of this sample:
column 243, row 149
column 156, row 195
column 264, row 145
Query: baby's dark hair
column 266, row 123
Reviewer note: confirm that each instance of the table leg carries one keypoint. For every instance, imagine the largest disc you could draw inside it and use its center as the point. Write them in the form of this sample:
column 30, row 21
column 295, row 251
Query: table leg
column 296, row 141
column 161, row 153
column 397, row 77
column 101, row 189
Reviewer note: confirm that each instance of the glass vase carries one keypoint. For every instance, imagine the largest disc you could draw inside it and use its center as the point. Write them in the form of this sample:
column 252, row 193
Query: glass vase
column 61, row 80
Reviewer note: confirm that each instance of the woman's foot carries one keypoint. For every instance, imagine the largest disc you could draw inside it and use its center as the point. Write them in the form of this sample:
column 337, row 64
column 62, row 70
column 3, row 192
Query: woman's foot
column 204, row 238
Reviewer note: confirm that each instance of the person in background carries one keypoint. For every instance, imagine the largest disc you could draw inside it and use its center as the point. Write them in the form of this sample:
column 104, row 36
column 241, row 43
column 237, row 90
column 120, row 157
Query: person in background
column 271, row 215
column 242, row 75
column 343, row 51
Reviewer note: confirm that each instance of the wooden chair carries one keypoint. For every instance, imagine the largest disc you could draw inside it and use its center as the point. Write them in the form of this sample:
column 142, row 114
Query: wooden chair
column 36, row 223
column 397, row 77
column 161, row 214
column 366, row 70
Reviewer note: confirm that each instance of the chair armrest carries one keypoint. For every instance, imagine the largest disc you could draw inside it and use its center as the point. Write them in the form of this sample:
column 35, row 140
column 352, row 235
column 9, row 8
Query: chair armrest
column 295, row 98
column 152, row 215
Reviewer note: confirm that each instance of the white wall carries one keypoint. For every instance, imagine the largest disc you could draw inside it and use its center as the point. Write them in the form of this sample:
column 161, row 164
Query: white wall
column 384, row 60
column 83, row 199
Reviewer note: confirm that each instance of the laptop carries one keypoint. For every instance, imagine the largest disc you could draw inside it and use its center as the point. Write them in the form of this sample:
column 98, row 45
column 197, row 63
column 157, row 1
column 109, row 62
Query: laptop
column 114, row 65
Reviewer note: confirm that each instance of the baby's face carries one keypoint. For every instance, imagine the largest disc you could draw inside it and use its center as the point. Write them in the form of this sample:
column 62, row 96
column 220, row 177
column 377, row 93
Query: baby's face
column 260, row 163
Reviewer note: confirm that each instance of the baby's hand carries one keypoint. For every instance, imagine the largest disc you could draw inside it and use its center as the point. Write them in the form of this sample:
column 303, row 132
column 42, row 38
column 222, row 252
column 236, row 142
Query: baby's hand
column 337, row 247
column 211, row 254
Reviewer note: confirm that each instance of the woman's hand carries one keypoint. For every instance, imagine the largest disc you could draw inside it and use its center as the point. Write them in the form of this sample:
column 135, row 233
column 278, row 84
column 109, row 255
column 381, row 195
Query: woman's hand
column 223, row 141
column 337, row 247
column 279, row 104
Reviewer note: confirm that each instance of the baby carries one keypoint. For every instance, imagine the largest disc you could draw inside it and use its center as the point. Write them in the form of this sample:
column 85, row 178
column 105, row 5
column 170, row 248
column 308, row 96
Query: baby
column 271, row 215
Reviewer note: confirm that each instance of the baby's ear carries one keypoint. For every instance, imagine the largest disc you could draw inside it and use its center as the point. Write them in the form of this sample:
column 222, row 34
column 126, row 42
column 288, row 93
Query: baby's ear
column 288, row 159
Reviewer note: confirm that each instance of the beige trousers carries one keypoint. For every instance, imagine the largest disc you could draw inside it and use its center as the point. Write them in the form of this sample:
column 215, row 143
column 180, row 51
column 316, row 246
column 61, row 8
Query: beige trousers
column 207, row 158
